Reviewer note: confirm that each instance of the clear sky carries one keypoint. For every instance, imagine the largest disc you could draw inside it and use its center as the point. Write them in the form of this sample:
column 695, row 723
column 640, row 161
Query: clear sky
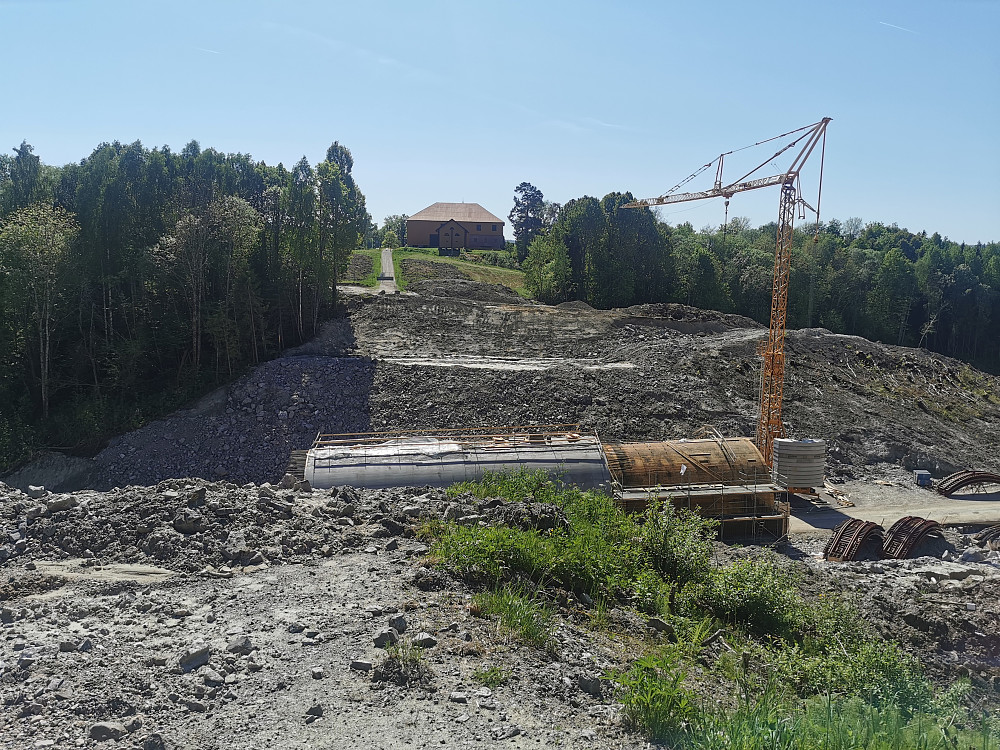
column 461, row 101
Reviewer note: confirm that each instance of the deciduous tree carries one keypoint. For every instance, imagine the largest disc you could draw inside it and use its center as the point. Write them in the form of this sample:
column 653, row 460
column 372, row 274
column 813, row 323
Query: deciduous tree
column 35, row 242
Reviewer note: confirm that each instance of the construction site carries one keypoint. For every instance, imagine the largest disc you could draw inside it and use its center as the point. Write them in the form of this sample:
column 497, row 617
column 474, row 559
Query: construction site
column 220, row 578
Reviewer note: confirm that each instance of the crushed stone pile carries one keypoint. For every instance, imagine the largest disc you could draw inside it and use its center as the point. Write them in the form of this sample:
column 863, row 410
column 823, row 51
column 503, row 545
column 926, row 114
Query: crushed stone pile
column 250, row 433
column 188, row 525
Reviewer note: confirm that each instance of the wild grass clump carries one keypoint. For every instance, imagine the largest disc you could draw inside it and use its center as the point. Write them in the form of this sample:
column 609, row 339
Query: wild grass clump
column 654, row 698
column 830, row 722
column 603, row 553
column 404, row 665
column 492, row 677
column 519, row 617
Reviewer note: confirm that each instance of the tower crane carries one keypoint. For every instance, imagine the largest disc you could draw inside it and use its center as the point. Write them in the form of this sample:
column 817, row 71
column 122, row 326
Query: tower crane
column 769, row 426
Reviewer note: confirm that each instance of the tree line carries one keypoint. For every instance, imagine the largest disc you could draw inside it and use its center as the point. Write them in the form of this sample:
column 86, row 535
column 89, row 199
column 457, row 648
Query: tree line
column 867, row 279
column 139, row 277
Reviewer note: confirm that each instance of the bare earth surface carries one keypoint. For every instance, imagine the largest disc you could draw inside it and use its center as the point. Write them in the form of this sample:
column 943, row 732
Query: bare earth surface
column 222, row 612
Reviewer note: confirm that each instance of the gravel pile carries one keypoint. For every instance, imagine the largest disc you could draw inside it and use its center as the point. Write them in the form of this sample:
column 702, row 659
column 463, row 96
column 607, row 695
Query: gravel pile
column 188, row 525
column 646, row 373
column 250, row 433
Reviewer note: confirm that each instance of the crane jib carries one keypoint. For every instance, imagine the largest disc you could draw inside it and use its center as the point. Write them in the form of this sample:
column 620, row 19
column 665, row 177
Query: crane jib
column 769, row 425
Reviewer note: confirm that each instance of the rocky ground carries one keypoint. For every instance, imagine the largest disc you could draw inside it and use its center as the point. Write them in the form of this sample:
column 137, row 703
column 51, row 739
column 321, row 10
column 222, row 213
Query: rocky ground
column 212, row 615
column 157, row 610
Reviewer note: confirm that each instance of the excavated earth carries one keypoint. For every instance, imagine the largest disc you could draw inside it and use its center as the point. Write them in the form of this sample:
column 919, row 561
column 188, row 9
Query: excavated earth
column 174, row 594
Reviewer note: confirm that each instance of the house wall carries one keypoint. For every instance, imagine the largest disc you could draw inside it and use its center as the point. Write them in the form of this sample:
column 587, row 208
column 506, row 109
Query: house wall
column 418, row 234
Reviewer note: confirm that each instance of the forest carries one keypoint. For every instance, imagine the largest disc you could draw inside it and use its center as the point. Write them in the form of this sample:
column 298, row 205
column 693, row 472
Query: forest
column 867, row 279
column 139, row 278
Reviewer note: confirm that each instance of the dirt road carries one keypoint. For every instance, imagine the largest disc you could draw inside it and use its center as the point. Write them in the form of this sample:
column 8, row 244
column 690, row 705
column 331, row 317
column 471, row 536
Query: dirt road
column 387, row 276
column 886, row 501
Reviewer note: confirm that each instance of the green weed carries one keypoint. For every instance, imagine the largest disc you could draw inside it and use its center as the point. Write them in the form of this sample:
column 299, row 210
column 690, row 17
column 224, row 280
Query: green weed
column 654, row 700
column 755, row 594
column 518, row 617
column 493, row 677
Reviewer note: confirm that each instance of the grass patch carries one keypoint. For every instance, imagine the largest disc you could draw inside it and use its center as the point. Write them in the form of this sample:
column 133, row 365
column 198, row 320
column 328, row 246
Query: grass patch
column 481, row 272
column 492, row 677
column 519, row 617
column 826, row 722
column 371, row 278
column 404, row 665
column 604, row 553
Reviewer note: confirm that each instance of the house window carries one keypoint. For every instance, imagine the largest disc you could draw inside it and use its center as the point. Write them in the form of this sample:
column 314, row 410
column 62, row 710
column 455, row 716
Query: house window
column 479, row 227
column 494, row 227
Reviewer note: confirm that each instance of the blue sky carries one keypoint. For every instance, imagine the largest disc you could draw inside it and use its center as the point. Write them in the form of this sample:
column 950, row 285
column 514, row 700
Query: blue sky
column 453, row 101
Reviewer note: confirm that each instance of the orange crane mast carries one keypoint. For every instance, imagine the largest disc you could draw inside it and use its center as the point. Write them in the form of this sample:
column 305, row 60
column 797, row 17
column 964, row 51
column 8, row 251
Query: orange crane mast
column 769, row 425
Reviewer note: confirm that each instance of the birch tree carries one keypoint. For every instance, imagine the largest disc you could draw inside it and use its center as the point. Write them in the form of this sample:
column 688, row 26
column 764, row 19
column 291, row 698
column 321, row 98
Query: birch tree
column 35, row 242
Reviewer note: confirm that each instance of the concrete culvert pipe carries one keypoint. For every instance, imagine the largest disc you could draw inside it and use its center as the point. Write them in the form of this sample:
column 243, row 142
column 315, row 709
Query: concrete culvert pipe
column 401, row 460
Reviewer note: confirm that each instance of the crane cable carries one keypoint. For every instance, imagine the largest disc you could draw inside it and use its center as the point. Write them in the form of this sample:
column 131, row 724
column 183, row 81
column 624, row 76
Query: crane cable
column 725, row 229
column 694, row 174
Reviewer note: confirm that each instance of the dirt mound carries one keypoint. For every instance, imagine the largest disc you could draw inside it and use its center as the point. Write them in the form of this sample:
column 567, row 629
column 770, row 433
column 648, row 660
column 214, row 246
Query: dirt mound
column 399, row 362
column 463, row 289
column 359, row 268
column 575, row 305
column 415, row 270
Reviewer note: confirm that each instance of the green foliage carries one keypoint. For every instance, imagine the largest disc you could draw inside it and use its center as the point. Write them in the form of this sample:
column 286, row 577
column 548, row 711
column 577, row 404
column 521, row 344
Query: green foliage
column 653, row 698
column 389, row 239
column 547, row 270
column 678, row 542
column 831, row 723
column 604, row 552
column 405, row 653
column 394, row 228
column 657, row 702
column 756, row 594
column 519, row 617
column 526, row 217
column 492, row 677
column 498, row 258
column 861, row 691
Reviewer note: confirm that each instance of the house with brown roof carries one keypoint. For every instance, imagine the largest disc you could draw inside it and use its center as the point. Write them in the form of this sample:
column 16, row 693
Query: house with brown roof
column 454, row 226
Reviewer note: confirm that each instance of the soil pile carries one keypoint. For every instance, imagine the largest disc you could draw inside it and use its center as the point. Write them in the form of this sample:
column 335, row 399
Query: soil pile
column 463, row 289
column 645, row 373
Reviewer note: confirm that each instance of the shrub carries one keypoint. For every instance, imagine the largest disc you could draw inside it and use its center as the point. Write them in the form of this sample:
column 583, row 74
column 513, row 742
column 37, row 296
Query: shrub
column 757, row 595
column 678, row 542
